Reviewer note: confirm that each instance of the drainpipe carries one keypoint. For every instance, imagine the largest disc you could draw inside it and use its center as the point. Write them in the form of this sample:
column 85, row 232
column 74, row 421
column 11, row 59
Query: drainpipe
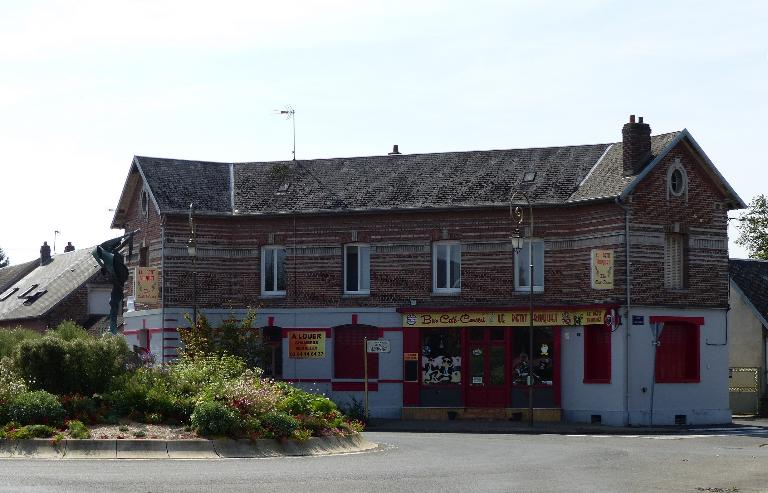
column 628, row 317
column 162, row 295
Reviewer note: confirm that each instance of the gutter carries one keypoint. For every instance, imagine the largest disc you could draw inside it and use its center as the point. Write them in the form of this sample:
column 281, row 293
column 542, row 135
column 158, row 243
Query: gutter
column 628, row 317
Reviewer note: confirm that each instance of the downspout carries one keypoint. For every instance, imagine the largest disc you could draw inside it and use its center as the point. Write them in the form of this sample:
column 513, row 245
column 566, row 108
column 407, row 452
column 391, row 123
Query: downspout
column 162, row 291
column 628, row 316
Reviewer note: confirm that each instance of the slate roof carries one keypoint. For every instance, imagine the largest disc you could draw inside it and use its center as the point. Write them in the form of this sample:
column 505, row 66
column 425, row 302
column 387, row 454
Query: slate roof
column 11, row 274
column 751, row 276
column 66, row 272
column 563, row 175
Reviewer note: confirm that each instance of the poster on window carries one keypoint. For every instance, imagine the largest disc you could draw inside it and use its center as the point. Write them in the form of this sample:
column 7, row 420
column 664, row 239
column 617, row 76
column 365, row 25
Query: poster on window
column 602, row 269
column 147, row 284
column 306, row 344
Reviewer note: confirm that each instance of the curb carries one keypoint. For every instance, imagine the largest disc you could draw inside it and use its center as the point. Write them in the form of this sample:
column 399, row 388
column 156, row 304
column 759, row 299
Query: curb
column 41, row 448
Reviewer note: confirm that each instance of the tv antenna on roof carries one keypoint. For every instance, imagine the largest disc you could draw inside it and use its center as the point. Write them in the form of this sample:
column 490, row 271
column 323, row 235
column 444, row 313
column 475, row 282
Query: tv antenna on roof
column 290, row 113
column 55, row 234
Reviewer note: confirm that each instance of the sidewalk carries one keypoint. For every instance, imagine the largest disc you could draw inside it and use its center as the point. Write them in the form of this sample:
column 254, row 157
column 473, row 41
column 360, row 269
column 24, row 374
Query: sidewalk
column 558, row 428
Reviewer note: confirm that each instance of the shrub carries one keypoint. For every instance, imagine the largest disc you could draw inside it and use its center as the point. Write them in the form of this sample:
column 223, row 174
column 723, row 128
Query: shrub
column 31, row 431
column 215, row 418
column 38, row 407
column 302, row 402
column 251, row 395
column 77, row 429
column 280, row 424
column 80, row 365
column 11, row 383
column 69, row 330
column 80, row 407
column 233, row 337
column 10, row 339
column 205, row 376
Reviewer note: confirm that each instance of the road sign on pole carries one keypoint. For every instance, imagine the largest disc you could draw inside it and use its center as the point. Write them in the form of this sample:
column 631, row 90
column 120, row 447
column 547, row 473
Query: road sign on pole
column 378, row 346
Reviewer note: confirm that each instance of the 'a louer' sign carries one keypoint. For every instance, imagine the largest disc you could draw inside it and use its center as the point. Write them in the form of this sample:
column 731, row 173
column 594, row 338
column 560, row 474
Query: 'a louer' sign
column 541, row 318
column 306, row 344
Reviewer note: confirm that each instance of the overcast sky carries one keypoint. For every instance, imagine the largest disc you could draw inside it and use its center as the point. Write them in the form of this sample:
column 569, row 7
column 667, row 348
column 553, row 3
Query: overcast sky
column 86, row 85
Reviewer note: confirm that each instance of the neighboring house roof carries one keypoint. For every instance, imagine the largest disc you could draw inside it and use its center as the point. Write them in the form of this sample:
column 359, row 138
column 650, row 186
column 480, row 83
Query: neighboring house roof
column 751, row 279
column 52, row 283
column 11, row 274
column 563, row 175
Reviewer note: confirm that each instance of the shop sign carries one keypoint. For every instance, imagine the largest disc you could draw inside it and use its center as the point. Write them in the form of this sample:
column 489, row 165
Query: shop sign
column 410, row 356
column 519, row 318
column 378, row 346
column 602, row 269
column 306, row 344
column 638, row 320
column 147, row 284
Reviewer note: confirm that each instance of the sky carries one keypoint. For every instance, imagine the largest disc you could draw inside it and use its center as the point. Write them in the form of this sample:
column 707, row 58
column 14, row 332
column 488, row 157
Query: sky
column 86, row 85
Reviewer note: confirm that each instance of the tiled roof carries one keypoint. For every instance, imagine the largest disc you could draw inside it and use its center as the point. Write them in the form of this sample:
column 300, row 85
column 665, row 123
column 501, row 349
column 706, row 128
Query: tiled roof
column 560, row 175
column 607, row 179
column 751, row 276
column 65, row 273
column 11, row 274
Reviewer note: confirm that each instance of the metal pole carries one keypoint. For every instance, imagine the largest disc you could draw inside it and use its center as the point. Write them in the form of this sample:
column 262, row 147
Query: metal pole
column 530, row 331
column 365, row 369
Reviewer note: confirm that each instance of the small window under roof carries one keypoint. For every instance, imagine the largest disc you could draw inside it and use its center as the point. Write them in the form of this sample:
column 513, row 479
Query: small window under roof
column 529, row 176
column 10, row 293
column 34, row 297
column 25, row 293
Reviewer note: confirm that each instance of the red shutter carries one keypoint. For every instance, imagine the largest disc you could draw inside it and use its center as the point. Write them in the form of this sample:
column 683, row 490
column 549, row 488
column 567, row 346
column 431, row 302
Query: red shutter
column 677, row 357
column 597, row 354
column 348, row 351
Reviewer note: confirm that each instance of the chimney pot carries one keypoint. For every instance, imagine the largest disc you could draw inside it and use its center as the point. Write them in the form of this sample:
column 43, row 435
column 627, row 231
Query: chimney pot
column 395, row 151
column 69, row 248
column 631, row 118
column 640, row 120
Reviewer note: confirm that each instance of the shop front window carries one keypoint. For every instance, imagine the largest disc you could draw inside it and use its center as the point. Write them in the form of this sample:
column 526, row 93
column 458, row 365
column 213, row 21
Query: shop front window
column 441, row 356
column 543, row 357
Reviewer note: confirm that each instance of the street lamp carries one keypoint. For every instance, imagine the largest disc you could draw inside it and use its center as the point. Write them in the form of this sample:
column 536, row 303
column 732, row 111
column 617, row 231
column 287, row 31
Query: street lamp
column 516, row 216
column 192, row 251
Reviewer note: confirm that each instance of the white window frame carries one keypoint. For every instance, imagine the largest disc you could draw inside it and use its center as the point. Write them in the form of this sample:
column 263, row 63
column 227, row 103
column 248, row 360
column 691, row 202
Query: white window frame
column 275, row 266
column 360, row 274
column 677, row 166
column 536, row 267
column 445, row 290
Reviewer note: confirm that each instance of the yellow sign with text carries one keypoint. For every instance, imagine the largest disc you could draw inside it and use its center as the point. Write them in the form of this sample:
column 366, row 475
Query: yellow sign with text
column 602, row 269
column 541, row 318
column 147, row 285
column 306, row 344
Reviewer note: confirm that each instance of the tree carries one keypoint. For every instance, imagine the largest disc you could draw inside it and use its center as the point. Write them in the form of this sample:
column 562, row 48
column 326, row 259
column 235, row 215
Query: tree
column 4, row 260
column 753, row 228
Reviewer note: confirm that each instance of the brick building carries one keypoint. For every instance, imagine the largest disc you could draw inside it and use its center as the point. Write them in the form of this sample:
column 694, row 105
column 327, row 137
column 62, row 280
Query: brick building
column 415, row 249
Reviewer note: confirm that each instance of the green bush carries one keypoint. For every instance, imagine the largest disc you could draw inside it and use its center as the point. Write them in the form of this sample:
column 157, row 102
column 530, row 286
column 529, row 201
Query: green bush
column 302, row 402
column 10, row 339
column 80, row 407
column 11, row 385
column 280, row 424
column 31, row 431
column 215, row 418
column 69, row 331
column 77, row 429
column 38, row 407
column 84, row 365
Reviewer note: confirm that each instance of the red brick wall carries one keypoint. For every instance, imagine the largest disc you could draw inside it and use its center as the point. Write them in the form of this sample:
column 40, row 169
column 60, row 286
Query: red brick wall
column 704, row 221
column 401, row 261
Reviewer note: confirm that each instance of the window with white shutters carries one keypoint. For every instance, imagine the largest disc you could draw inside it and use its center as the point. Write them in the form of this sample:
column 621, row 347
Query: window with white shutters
column 673, row 261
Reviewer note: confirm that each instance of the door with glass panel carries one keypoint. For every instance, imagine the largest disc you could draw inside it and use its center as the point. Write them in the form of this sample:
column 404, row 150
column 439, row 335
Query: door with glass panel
column 487, row 356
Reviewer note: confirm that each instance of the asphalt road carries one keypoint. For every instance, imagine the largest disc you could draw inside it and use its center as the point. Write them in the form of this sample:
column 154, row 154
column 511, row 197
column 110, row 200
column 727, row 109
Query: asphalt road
column 418, row 462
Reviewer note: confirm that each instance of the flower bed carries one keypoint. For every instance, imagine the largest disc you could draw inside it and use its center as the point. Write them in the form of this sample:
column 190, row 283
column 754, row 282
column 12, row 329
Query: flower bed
column 68, row 384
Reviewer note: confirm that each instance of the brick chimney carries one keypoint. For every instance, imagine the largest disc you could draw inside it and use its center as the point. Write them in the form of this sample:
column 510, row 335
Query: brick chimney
column 45, row 254
column 636, row 140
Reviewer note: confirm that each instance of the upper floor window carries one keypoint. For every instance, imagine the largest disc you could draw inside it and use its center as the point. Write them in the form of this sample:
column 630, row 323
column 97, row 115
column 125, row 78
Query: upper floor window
column 357, row 269
column 523, row 266
column 674, row 261
column 446, row 267
column 273, row 270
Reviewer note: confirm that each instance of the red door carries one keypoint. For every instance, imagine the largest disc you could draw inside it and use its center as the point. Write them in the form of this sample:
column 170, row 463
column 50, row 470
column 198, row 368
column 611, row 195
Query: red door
column 487, row 355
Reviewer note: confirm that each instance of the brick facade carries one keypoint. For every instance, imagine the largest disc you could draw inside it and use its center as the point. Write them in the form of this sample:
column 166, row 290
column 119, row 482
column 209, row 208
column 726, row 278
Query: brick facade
column 228, row 265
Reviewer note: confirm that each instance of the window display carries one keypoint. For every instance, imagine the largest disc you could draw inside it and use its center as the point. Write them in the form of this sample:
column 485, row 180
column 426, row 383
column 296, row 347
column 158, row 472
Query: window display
column 441, row 356
column 543, row 345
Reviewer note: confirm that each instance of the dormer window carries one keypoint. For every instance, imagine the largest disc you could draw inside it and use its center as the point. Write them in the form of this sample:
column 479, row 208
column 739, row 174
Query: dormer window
column 9, row 294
